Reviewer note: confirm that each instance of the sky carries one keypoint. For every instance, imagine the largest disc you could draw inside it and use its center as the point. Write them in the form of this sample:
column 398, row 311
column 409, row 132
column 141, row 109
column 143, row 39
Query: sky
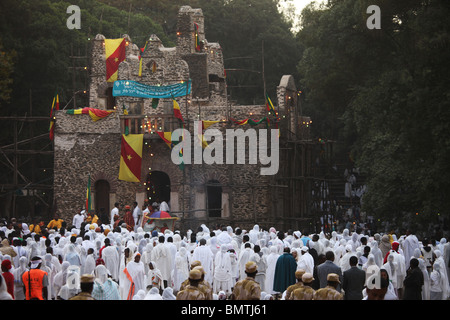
column 299, row 5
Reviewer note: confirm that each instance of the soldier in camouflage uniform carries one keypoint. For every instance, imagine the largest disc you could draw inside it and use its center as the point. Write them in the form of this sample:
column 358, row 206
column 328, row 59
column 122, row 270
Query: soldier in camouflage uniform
column 248, row 288
column 192, row 292
column 86, row 285
column 330, row 292
column 185, row 283
column 305, row 292
column 298, row 275
column 204, row 285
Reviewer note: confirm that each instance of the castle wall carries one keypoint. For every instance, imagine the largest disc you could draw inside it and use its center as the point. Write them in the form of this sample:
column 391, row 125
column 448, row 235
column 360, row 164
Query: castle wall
column 84, row 147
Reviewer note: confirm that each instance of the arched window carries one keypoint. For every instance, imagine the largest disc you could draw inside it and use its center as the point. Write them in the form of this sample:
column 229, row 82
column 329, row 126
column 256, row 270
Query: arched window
column 214, row 198
column 158, row 186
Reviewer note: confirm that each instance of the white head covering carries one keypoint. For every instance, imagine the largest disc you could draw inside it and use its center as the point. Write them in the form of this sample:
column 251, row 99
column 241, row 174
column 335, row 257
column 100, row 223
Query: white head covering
column 153, row 294
column 140, row 295
column 101, row 273
column 168, row 294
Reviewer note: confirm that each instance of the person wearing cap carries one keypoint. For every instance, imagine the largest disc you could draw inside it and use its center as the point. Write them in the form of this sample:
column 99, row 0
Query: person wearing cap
column 306, row 261
column 185, row 283
column 305, row 292
column 248, row 288
column 35, row 281
column 78, row 219
column 204, row 285
column 329, row 292
column 86, row 286
column 298, row 275
column 192, row 291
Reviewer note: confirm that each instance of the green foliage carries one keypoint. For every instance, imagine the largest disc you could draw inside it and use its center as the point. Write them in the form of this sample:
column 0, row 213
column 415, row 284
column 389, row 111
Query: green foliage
column 37, row 31
column 6, row 69
column 384, row 93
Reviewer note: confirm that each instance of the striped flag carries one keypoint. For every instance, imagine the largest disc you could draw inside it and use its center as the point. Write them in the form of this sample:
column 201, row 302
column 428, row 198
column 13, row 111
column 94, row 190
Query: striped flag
column 176, row 110
column 95, row 114
column 206, row 124
column 166, row 137
column 131, row 157
column 115, row 54
column 197, row 44
column 88, row 195
column 269, row 105
column 55, row 106
column 140, row 57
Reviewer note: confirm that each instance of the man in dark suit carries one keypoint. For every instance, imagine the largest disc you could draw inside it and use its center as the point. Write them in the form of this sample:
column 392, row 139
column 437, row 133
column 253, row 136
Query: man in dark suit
column 354, row 281
column 328, row 267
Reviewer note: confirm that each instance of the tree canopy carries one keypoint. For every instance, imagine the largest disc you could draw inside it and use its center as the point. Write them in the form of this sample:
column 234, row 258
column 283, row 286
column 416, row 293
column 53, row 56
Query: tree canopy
column 384, row 94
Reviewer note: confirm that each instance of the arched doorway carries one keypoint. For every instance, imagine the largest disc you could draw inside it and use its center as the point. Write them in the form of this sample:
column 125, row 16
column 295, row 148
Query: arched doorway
column 214, row 198
column 158, row 187
column 102, row 190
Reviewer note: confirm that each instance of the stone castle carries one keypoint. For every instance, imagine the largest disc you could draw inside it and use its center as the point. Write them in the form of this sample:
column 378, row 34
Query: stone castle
column 225, row 194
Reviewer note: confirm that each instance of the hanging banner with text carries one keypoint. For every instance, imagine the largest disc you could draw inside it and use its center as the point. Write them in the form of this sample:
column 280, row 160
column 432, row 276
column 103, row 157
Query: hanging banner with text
column 128, row 88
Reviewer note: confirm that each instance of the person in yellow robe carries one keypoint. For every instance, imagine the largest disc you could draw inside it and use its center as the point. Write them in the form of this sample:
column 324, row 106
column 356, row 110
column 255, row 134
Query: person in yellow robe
column 55, row 223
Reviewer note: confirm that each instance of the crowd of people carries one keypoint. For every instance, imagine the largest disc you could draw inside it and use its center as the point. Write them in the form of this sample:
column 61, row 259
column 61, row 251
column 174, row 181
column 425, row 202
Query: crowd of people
column 119, row 258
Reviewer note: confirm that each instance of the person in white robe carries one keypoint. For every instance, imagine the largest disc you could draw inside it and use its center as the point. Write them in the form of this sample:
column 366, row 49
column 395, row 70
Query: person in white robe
column 440, row 260
column 305, row 261
column 153, row 294
column 173, row 252
column 163, row 259
column 339, row 251
column 399, row 259
column 146, row 256
column 391, row 268
column 234, row 261
column 181, row 270
column 244, row 257
column 61, row 277
column 51, row 273
column 439, row 287
column 261, row 264
column 253, row 234
column 135, row 276
column 168, row 294
column 409, row 244
column 222, row 271
column 89, row 263
column 17, row 273
column 270, row 271
column 72, row 256
column 224, row 237
column 213, row 245
column 104, row 287
column 345, row 260
column 204, row 254
column 154, row 278
column 110, row 256
column 140, row 295
column 426, row 277
column 376, row 253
